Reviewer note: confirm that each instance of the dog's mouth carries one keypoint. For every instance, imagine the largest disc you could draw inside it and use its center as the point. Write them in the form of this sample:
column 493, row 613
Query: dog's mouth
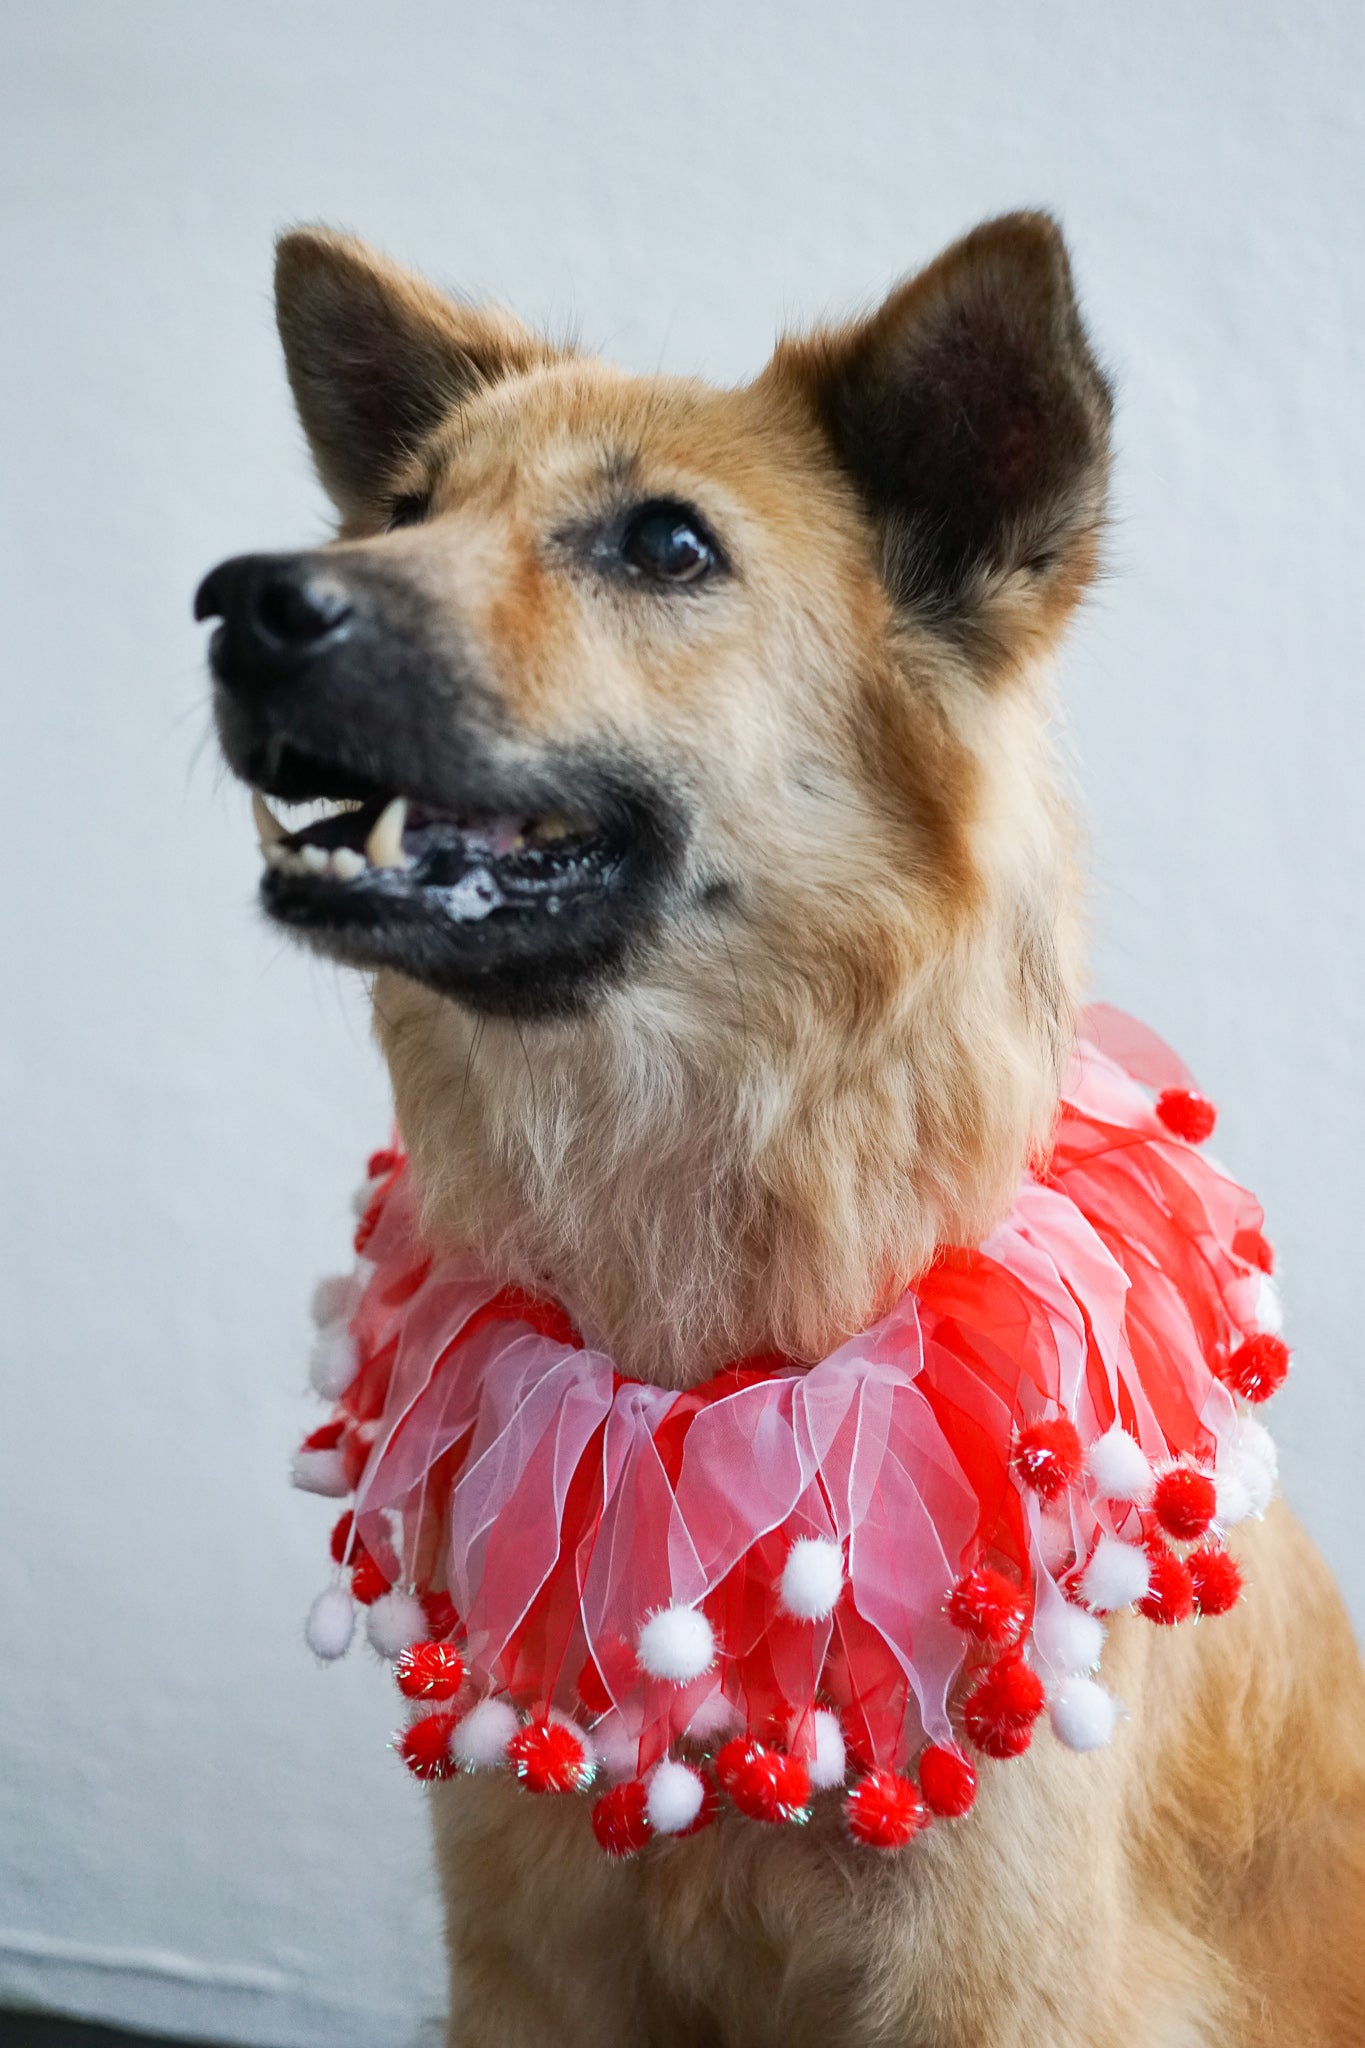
column 509, row 910
column 511, row 871
column 372, row 859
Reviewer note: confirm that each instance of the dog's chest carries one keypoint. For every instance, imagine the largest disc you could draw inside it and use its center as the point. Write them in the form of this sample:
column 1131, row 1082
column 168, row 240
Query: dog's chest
column 1012, row 1933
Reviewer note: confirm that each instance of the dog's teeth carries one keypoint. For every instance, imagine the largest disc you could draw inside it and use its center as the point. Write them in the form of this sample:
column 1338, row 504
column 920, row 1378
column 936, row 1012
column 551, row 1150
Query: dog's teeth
column 290, row 862
column 274, row 854
column 314, row 859
column 554, row 828
column 384, row 847
column 269, row 830
column 347, row 863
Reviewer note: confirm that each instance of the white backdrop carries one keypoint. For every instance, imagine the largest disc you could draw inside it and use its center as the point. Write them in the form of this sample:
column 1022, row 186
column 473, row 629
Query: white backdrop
column 198, row 1828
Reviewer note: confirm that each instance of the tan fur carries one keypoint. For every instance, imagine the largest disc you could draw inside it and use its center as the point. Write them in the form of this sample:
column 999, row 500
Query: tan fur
column 854, row 1069
column 763, row 1130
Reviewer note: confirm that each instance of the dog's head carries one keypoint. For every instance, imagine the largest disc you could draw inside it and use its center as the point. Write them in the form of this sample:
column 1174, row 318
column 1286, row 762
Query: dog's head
column 690, row 726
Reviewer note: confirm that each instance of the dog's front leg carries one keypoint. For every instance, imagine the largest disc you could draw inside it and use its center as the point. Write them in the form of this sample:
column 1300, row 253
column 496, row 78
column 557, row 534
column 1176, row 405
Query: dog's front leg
column 542, row 1928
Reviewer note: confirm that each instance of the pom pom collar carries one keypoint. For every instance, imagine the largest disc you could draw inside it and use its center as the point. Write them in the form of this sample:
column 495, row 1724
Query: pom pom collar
column 789, row 1582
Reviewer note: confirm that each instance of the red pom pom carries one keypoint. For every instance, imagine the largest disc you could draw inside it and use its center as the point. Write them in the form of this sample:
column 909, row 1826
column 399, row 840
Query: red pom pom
column 1257, row 1367
column 767, row 1784
column 369, row 1581
column 430, row 1671
column 1184, row 1503
column 325, row 1438
column 1001, row 1708
column 341, row 1537
column 425, row 1747
column 1170, row 1590
column 989, row 1607
column 947, row 1782
column 884, row 1810
column 620, row 1820
column 1190, row 1116
column 442, row 1620
column 731, row 1759
column 548, row 1757
column 1047, row 1457
column 1217, row 1580
column 1255, row 1249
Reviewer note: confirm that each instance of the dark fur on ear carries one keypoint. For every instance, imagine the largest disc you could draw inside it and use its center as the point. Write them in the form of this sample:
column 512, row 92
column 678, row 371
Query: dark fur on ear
column 974, row 420
column 377, row 357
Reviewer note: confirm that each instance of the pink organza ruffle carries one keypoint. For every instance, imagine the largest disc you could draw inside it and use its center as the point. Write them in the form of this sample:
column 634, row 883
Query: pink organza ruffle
column 559, row 1505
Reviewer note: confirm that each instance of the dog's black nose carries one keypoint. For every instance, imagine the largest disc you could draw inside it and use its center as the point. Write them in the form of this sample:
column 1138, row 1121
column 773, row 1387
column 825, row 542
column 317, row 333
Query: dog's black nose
column 278, row 611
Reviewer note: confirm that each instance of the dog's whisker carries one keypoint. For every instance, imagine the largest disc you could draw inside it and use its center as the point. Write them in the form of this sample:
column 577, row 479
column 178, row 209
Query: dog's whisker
column 475, row 1036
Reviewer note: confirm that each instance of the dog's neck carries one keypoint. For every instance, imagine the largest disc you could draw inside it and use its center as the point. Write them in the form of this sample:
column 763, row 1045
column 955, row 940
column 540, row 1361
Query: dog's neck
column 692, row 1201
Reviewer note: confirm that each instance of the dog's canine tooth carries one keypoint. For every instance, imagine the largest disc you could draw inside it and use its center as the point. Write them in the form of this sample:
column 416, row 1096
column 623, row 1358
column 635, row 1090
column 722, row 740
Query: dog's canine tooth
column 274, row 853
column 347, row 863
column 269, row 830
column 384, row 847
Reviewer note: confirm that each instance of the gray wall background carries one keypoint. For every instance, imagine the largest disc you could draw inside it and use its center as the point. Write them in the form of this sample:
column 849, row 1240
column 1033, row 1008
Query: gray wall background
column 197, row 1827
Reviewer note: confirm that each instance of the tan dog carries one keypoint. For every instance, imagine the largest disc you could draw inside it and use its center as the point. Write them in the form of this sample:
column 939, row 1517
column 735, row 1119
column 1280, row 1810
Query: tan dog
column 743, row 697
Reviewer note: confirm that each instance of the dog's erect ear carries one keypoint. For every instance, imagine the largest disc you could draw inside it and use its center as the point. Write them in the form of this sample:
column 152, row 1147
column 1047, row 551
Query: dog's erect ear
column 377, row 357
column 974, row 421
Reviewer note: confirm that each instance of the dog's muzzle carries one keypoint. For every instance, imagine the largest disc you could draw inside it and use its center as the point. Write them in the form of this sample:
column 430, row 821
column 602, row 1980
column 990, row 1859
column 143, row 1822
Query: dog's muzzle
column 510, row 874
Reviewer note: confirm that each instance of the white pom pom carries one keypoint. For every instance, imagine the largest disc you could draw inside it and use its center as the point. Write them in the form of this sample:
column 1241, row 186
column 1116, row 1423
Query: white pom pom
column 812, row 1578
column 481, row 1738
column 320, row 1472
column 676, row 1644
column 393, row 1622
column 1083, row 1714
column 1232, row 1499
column 1067, row 1638
column 1118, row 1466
column 1116, row 1576
column 1269, row 1310
column 333, row 1363
column 673, row 1797
column 330, row 1624
column 334, row 1299
column 1248, row 1469
column 829, row 1765
column 1253, row 1442
column 1260, row 1485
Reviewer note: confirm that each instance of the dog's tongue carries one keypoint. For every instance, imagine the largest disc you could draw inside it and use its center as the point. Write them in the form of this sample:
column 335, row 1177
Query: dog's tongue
column 495, row 838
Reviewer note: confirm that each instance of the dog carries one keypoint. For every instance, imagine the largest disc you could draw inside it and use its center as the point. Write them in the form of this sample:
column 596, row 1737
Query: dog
column 743, row 698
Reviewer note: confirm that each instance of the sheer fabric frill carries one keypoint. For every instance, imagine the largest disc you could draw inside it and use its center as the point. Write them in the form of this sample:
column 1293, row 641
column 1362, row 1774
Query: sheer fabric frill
column 863, row 1573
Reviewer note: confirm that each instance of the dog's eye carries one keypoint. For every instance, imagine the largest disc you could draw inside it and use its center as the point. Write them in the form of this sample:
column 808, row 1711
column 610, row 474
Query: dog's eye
column 408, row 511
column 668, row 544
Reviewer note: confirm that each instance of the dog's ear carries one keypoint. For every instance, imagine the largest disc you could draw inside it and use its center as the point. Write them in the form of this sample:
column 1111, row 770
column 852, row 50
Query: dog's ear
column 376, row 357
column 974, row 421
